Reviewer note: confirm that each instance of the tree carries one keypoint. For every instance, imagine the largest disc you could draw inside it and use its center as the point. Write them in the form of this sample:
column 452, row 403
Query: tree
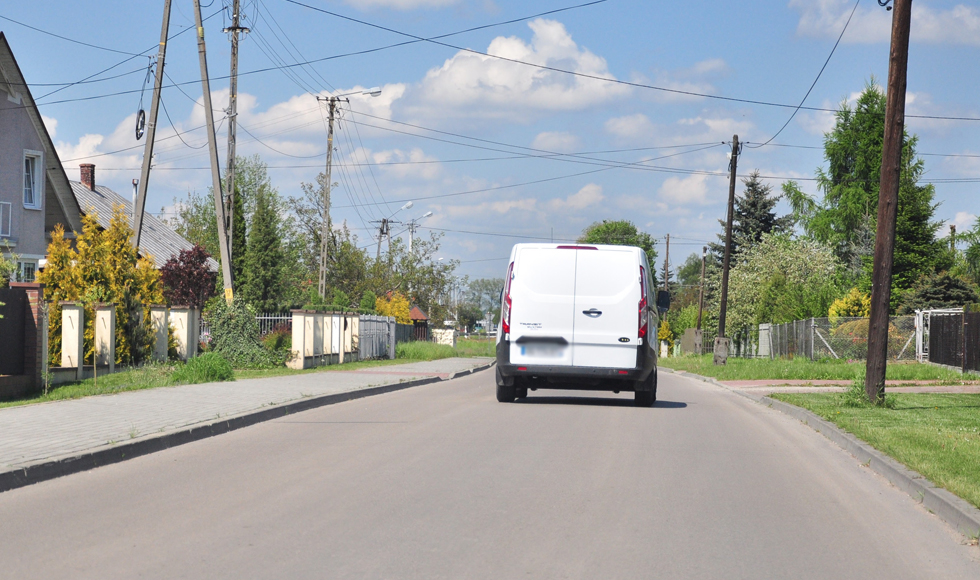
column 622, row 233
column 187, row 279
column 368, row 300
column 103, row 267
column 484, row 295
column 195, row 221
column 938, row 291
column 754, row 216
column 394, row 304
column 853, row 304
column 846, row 218
column 781, row 279
column 262, row 285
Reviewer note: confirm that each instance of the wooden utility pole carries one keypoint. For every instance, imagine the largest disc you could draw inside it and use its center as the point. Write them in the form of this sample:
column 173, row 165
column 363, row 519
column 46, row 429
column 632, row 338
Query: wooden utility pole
column 891, row 169
column 326, row 227
column 151, row 130
column 721, row 341
column 234, row 29
column 704, row 254
column 219, row 207
column 698, row 333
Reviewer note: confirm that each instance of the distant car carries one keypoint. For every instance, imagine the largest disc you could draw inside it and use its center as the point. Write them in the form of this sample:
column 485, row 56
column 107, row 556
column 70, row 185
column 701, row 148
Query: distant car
column 578, row 317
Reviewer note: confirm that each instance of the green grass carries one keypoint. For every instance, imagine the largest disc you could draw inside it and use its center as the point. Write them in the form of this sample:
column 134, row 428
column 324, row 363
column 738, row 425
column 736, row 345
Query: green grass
column 467, row 347
column 207, row 368
column 804, row 369
column 937, row 435
column 423, row 351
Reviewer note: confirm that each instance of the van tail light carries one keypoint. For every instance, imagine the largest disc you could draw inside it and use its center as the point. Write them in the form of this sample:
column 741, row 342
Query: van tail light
column 505, row 312
column 643, row 318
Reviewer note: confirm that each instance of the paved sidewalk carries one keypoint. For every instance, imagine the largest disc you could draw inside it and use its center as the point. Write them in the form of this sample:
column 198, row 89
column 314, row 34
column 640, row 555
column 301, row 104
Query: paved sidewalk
column 38, row 434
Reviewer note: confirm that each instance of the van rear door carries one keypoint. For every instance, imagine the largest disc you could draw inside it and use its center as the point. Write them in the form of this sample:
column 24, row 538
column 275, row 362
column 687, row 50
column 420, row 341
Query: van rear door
column 542, row 293
column 607, row 296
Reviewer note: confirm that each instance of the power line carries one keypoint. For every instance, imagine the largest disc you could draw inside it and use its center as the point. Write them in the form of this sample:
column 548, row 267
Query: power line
column 107, row 49
column 825, row 63
column 434, row 40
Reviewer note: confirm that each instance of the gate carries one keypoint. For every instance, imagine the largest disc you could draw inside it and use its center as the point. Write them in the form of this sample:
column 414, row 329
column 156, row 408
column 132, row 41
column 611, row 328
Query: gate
column 375, row 337
column 946, row 338
column 12, row 330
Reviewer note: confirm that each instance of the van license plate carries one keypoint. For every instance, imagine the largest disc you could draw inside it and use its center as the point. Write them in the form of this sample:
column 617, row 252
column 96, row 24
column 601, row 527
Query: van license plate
column 543, row 350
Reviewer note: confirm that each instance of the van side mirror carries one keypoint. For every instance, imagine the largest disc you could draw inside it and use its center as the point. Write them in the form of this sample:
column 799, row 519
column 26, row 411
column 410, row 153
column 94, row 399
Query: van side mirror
column 663, row 300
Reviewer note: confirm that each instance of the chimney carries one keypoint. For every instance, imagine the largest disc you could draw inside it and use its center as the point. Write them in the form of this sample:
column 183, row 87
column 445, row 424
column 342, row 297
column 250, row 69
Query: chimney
column 88, row 175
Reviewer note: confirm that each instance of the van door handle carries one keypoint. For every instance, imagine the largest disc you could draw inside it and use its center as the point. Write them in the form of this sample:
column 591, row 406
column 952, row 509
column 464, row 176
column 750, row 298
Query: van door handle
column 592, row 312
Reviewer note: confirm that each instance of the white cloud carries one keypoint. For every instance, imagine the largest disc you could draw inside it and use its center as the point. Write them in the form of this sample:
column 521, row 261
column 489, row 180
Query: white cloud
column 413, row 163
column 685, row 190
column 470, row 84
column 589, row 195
column 400, row 4
column 964, row 221
column 872, row 24
column 556, row 141
column 51, row 124
column 630, row 126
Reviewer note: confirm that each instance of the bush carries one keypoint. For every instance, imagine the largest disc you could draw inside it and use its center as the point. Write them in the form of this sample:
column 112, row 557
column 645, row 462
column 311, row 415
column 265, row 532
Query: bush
column 423, row 350
column 207, row 368
column 235, row 336
column 280, row 338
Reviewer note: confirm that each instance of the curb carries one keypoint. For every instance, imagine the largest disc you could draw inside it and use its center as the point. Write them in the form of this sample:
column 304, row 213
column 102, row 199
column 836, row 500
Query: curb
column 950, row 508
column 60, row 467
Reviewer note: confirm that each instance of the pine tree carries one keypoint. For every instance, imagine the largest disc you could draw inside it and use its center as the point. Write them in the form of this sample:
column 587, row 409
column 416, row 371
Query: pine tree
column 754, row 217
column 262, row 278
column 846, row 217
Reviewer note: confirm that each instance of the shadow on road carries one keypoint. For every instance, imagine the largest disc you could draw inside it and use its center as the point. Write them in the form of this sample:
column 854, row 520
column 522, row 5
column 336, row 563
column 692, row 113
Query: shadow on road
column 594, row 401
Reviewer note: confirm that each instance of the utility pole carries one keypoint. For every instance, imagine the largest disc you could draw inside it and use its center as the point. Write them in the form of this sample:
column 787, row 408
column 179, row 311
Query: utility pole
column 232, row 111
column 667, row 265
column 382, row 231
column 721, row 341
column 219, row 208
column 704, row 254
column 326, row 229
column 151, row 130
column 891, row 168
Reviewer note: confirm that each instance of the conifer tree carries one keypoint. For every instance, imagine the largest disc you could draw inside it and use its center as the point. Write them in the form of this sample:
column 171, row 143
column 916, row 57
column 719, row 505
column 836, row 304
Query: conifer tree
column 262, row 279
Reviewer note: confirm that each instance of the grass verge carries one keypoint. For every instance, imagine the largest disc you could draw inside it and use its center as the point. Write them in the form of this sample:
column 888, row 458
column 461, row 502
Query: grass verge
column 467, row 347
column 423, row 351
column 805, row 369
column 937, row 435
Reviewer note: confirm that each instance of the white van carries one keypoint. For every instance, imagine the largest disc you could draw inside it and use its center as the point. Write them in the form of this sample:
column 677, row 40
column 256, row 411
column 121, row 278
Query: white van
column 578, row 317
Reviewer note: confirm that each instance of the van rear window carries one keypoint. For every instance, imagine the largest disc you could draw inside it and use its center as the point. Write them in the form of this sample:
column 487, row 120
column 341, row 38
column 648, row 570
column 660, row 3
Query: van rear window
column 608, row 273
column 545, row 271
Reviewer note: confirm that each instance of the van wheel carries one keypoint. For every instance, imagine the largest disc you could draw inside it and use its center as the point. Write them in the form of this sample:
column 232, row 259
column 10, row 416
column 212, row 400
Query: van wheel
column 644, row 398
column 506, row 394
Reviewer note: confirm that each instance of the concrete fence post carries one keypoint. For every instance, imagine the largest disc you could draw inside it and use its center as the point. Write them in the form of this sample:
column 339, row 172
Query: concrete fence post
column 185, row 324
column 299, row 340
column 316, row 319
column 160, row 322
column 73, row 337
column 355, row 337
column 105, row 336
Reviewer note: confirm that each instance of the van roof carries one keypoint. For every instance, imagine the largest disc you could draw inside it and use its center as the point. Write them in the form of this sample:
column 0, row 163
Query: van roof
column 570, row 245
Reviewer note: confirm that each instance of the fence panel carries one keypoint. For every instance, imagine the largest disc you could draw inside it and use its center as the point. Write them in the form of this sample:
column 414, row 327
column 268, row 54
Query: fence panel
column 840, row 338
column 404, row 333
column 12, row 324
column 971, row 339
column 374, row 337
column 946, row 338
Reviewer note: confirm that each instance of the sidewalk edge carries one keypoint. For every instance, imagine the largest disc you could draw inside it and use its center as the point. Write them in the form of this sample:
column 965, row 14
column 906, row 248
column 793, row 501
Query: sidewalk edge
column 952, row 509
column 44, row 471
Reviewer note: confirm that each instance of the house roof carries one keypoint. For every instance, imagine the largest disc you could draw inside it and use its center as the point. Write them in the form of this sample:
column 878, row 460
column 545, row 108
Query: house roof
column 60, row 205
column 157, row 239
column 416, row 314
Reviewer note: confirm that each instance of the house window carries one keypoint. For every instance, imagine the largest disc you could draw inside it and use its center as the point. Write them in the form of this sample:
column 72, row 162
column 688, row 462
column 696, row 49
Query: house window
column 26, row 271
column 32, row 179
column 5, row 211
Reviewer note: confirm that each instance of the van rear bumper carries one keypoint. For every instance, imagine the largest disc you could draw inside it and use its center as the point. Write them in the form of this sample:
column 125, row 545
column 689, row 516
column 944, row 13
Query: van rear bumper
column 508, row 370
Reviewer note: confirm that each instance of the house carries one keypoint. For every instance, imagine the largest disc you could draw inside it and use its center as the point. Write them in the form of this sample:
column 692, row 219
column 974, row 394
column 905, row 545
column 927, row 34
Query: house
column 421, row 322
column 157, row 239
column 35, row 194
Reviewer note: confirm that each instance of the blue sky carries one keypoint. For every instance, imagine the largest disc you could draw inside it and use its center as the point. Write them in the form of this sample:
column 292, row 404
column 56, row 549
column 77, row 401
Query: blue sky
column 523, row 116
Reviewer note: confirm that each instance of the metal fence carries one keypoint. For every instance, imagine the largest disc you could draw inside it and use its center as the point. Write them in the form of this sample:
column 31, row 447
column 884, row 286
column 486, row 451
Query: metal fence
column 375, row 337
column 839, row 338
column 952, row 337
column 268, row 322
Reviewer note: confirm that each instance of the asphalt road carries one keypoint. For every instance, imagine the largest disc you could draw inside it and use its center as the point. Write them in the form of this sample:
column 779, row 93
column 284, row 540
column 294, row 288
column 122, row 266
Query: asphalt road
column 441, row 481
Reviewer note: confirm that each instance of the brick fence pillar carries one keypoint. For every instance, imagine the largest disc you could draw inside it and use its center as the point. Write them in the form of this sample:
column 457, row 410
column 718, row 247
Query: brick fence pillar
column 35, row 332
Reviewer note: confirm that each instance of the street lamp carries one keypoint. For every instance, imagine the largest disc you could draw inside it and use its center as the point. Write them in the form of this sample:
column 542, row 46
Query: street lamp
column 412, row 226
